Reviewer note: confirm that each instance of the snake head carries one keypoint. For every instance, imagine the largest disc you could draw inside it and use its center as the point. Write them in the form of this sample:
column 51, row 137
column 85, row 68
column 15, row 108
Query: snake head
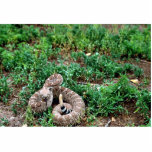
column 41, row 100
column 46, row 95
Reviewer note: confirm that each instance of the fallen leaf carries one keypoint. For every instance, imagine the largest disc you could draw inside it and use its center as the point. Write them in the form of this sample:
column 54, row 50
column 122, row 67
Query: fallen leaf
column 113, row 119
column 88, row 54
column 135, row 81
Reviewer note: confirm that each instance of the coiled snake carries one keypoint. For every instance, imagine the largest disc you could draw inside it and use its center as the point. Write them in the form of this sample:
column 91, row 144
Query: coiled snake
column 43, row 99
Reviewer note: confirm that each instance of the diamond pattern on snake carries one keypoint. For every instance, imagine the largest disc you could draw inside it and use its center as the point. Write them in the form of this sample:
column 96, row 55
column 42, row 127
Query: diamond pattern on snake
column 65, row 113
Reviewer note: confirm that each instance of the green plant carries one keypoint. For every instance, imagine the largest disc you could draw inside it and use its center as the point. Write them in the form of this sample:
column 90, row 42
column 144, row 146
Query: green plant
column 128, row 67
column 138, row 71
column 7, row 59
column 148, row 124
column 15, row 34
column 128, row 41
column 4, row 89
column 29, row 118
column 144, row 103
column 146, row 81
column 104, row 66
column 91, row 118
column 4, row 122
column 46, row 120
column 13, row 107
column 110, row 99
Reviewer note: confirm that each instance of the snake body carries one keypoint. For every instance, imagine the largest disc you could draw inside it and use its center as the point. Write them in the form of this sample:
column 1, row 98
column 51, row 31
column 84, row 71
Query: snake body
column 43, row 99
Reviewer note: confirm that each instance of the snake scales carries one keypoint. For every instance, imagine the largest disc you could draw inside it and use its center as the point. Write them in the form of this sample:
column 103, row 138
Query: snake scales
column 43, row 99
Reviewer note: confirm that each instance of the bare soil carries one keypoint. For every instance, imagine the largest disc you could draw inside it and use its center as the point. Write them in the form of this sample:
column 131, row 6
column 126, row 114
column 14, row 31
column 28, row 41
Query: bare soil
column 131, row 119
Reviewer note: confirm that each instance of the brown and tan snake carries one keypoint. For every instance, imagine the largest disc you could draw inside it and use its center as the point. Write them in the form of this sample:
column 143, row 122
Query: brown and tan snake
column 43, row 99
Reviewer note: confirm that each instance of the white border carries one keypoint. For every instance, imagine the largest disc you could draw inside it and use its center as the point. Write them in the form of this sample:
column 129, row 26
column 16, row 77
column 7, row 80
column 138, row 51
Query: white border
column 91, row 139
column 75, row 12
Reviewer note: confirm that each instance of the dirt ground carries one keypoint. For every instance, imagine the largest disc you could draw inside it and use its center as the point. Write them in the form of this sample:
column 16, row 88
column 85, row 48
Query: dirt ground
column 131, row 119
column 146, row 66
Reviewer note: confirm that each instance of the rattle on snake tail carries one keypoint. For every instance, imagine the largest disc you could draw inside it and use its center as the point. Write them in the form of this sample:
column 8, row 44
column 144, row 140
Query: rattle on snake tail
column 65, row 114
column 63, row 108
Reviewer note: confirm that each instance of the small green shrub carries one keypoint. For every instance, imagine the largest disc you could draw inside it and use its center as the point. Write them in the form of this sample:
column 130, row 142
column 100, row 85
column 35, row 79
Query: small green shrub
column 15, row 34
column 29, row 118
column 110, row 99
column 46, row 120
column 4, row 122
column 4, row 89
column 148, row 124
column 13, row 108
column 7, row 59
column 144, row 103
column 105, row 66
column 128, row 67
column 138, row 71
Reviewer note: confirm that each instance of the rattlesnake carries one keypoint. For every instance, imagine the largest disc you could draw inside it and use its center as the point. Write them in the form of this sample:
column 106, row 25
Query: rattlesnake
column 43, row 99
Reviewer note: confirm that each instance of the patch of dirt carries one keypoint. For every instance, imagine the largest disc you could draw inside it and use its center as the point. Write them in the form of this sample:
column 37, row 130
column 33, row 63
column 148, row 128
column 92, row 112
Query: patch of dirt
column 146, row 66
column 143, row 64
column 6, row 112
column 131, row 119
column 121, row 120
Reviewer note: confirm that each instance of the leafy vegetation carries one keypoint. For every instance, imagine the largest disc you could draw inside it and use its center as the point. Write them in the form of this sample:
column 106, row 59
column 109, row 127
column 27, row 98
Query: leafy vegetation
column 4, row 89
column 29, row 118
column 103, row 64
column 129, row 41
column 4, row 122
column 31, row 53
column 17, row 33
column 46, row 120
column 144, row 103
column 111, row 99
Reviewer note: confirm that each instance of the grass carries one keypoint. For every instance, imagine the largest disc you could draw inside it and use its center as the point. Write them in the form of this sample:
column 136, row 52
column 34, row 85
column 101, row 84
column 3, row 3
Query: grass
column 4, row 122
column 111, row 99
column 31, row 54
column 5, row 91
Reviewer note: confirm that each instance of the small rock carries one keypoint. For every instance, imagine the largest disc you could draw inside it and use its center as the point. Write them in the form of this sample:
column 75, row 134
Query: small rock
column 12, row 118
